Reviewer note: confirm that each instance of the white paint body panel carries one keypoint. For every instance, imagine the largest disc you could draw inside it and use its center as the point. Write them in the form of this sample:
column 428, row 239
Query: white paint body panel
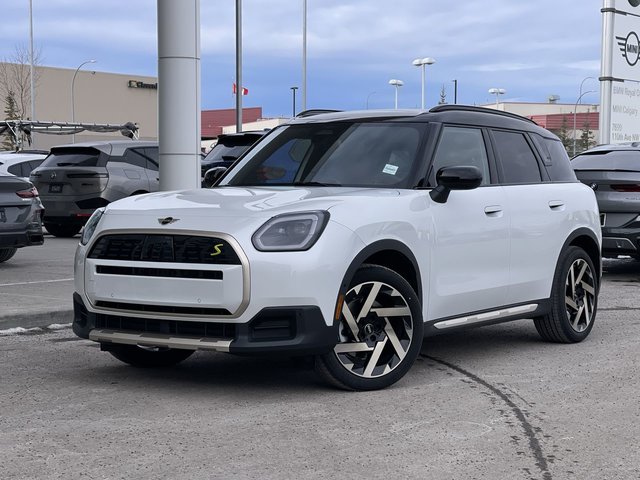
column 467, row 258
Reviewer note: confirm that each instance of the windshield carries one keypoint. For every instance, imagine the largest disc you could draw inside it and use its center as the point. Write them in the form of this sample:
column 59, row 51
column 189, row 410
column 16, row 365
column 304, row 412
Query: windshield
column 373, row 154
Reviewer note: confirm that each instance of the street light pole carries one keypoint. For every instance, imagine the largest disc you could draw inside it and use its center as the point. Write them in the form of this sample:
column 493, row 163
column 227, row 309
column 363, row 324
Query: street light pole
column 582, row 83
column 575, row 111
column 238, row 65
column 293, row 91
column 73, row 105
column 368, row 97
column 421, row 62
column 497, row 92
column 304, row 54
column 397, row 84
column 455, row 91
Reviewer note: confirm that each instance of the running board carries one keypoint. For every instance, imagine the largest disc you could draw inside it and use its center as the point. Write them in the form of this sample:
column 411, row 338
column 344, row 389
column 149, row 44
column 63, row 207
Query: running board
column 159, row 340
column 486, row 317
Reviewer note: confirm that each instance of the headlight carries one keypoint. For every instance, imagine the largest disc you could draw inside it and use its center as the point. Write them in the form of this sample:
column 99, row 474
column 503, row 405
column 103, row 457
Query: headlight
column 291, row 231
column 91, row 225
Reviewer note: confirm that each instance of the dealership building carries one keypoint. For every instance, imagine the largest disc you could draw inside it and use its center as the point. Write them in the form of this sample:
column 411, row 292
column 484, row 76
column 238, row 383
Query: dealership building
column 114, row 98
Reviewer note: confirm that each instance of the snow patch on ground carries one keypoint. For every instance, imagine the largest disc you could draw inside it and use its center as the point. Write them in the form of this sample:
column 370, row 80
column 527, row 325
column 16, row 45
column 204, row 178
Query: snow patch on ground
column 23, row 331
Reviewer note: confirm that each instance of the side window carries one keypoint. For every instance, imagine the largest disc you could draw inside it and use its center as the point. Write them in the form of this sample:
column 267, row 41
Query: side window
column 555, row 159
column 519, row 164
column 134, row 157
column 460, row 146
column 152, row 158
column 33, row 164
column 15, row 170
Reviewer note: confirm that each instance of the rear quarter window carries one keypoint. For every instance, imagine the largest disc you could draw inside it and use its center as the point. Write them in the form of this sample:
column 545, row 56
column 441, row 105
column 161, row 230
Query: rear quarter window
column 554, row 158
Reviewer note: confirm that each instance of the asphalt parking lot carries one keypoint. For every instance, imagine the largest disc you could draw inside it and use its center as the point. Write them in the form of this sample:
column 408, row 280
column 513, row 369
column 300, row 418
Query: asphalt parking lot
column 491, row 403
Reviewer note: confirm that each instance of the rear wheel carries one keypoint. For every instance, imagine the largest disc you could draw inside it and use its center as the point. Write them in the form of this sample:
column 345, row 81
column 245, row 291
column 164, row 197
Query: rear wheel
column 148, row 357
column 7, row 253
column 574, row 299
column 64, row 231
column 381, row 331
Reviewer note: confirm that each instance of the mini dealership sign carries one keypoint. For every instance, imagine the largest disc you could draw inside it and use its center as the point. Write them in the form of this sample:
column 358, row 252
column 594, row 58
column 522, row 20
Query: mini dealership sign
column 620, row 72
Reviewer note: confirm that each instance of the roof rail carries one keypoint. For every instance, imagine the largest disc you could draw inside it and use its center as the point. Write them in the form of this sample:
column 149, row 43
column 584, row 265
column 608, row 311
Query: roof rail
column 471, row 108
column 315, row 111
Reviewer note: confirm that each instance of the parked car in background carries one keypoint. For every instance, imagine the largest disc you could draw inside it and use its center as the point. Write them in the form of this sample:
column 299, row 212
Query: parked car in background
column 22, row 163
column 76, row 179
column 20, row 216
column 348, row 237
column 229, row 147
column 613, row 172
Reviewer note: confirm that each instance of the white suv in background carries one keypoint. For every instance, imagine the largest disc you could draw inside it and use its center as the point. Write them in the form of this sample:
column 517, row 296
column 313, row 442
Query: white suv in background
column 349, row 237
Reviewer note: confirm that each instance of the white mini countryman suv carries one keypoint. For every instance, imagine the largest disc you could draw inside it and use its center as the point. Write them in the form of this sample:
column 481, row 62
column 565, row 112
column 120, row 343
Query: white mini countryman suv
column 349, row 237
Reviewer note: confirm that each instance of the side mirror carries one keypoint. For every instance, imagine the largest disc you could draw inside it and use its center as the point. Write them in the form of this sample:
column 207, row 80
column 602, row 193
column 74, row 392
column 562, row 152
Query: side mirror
column 455, row 178
column 212, row 175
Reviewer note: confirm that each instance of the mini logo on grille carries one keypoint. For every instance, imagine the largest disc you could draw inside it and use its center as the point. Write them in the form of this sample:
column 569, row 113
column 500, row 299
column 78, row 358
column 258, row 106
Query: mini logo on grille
column 167, row 220
column 53, row 175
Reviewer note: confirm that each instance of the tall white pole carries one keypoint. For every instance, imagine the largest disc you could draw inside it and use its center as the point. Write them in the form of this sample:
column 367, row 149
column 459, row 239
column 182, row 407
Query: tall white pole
column 396, row 103
column 304, row 55
column 238, row 65
column 33, row 96
column 606, row 71
column 179, row 93
column 423, row 86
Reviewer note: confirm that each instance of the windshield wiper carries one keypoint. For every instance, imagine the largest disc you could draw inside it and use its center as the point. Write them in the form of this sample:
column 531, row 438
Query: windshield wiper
column 315, row 184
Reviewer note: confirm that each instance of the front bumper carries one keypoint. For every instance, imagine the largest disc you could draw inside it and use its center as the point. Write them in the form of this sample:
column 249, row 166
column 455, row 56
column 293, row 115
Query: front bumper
column 297, row 330
column 620, row 241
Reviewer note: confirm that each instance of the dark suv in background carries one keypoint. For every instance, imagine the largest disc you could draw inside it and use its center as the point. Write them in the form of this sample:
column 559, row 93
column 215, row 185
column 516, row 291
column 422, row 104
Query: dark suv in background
column 229, row 148
column 76, row 179
column 613, row 172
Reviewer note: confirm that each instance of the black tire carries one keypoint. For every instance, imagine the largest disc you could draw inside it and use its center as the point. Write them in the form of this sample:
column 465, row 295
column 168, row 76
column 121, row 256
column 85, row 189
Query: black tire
column 7, row 253
column 392, row 340
column 63, row 231
column 574, row 299
column 149, row 357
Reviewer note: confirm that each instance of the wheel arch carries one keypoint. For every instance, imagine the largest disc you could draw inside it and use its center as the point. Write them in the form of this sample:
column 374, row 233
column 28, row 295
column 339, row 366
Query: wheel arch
column 587, row 240
column 391, row 254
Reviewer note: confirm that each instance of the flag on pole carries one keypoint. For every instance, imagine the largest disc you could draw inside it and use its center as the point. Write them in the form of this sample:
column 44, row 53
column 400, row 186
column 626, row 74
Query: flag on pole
column 245, row 91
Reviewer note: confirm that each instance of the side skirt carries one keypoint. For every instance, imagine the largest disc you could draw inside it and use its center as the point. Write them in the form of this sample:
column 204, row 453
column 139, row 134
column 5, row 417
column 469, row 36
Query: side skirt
column 507, row 313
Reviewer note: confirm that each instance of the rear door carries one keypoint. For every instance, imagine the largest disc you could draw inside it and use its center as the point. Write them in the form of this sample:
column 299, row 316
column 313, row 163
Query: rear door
column 539, row 220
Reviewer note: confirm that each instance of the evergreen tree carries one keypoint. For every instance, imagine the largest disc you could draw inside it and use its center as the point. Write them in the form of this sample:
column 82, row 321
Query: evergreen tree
column 10, row 113
column 563, row 135
column 586, row 140
column 443, row 96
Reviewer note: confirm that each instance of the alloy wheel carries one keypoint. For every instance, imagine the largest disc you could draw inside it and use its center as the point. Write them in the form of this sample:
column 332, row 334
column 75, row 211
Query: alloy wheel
column 376, row 330
column 580, row 294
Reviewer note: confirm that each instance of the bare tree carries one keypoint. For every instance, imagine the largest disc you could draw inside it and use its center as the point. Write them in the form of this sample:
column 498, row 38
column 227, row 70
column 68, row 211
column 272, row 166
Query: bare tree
column 15, row 79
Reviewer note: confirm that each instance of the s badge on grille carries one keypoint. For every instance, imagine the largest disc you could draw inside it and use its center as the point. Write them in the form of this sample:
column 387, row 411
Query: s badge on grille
column 53, row 175
column 167, row 220
column 594, row 186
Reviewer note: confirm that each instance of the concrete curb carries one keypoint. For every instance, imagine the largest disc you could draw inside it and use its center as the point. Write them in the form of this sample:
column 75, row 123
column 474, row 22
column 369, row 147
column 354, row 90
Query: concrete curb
column 36, row 319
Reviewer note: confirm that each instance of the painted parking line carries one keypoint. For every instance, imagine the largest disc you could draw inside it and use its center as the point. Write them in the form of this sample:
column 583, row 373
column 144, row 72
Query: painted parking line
column 32, row 283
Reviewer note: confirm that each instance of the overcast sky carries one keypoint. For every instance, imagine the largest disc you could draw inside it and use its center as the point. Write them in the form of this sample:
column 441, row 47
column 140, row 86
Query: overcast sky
column 531, row 48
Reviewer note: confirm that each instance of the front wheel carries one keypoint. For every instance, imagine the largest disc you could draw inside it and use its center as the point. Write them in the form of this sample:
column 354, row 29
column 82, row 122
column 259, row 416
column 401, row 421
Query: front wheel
column 574, row 299
column 381, row 332
column 148, row 357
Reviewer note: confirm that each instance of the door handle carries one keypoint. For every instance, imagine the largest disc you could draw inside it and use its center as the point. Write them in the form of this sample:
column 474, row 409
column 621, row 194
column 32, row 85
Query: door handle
column 493, row 210
column 557, row 205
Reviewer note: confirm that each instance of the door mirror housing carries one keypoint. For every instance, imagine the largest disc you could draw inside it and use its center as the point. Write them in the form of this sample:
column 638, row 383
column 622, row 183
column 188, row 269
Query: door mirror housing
column 212, row 175
column 455, row 178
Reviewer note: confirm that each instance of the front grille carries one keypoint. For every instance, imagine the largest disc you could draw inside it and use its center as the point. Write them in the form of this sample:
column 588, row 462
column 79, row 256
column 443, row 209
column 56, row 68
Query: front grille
column 159, row 272
column 165, row 248
column 163, row 309
column 169, row 327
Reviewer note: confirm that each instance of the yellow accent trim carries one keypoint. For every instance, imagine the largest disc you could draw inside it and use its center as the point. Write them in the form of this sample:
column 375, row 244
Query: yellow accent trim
column 217, row 250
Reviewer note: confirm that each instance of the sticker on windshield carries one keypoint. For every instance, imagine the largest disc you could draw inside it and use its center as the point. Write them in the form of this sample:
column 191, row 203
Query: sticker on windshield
column 390, row 169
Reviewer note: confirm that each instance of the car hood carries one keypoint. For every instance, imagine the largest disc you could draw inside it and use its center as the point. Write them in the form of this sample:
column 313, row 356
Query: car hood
column 240, row 201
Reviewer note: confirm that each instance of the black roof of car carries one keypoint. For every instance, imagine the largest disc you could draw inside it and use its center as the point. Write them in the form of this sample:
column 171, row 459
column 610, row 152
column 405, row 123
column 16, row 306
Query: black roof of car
column 462, row 114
